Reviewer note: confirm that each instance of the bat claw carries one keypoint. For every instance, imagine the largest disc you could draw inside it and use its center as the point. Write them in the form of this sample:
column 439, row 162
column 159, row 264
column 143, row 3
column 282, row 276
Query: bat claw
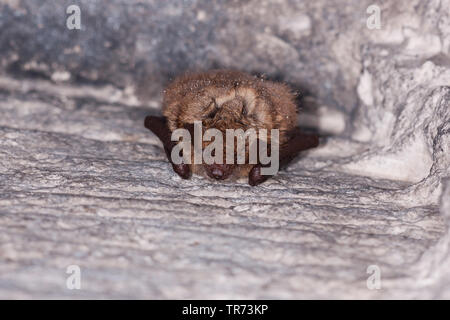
column 255, row 177
column 182, row 170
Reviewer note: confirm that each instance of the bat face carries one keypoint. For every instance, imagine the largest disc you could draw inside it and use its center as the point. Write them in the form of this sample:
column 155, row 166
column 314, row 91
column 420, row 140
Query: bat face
column 223, row 101
column 231, row 114
column 228, row 115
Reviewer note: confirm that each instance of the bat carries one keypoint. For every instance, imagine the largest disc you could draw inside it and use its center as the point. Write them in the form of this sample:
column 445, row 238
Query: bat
column 224, row 100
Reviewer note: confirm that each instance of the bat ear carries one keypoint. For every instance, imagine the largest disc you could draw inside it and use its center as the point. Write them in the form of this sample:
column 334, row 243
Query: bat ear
column 152, row 122
column 299, row 141
column 158, row 125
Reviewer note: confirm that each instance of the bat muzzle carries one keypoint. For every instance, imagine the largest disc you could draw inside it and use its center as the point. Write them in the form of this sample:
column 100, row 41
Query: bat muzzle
column 219, row 171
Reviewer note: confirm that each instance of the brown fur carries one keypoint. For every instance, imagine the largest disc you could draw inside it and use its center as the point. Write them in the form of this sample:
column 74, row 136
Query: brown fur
column 224, row 99
column 191, row 97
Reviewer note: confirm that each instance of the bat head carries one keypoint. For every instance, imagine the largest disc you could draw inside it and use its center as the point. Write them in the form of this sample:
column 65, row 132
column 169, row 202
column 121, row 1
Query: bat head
column 223, row 100
column 231, row 114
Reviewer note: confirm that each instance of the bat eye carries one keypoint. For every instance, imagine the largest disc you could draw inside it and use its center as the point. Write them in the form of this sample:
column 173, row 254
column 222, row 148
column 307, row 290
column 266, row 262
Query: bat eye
column 212, row 114
column 244, row 111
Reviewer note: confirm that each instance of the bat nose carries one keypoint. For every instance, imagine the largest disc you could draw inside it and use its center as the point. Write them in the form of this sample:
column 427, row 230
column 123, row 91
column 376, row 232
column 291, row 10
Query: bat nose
column 217, row 173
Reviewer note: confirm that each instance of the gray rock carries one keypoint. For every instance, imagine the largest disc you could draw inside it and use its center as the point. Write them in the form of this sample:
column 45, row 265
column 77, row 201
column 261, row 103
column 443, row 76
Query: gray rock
column 82, row 182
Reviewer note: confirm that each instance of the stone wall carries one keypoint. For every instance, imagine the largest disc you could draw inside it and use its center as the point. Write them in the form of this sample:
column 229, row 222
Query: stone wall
column 83, row 183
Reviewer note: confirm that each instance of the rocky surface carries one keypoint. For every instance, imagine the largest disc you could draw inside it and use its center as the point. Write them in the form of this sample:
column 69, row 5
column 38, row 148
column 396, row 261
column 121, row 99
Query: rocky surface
column 82, row 182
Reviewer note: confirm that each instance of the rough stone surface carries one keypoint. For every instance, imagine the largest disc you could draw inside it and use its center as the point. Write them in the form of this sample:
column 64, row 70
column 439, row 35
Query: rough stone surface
column 82, row 182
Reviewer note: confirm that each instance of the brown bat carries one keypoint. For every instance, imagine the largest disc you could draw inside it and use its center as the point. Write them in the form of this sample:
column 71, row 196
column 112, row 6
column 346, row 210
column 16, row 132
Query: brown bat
column 224, row 99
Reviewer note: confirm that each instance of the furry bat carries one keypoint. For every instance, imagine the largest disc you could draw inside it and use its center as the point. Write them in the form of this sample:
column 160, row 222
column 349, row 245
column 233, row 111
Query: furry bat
column 224, row 99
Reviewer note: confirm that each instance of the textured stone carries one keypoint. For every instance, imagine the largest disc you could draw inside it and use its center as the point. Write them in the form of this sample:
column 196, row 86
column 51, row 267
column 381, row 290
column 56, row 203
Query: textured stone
column 82, row 182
